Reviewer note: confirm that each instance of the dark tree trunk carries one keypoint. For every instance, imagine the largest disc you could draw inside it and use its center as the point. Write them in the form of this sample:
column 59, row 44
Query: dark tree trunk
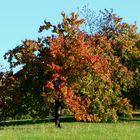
column 57, row 113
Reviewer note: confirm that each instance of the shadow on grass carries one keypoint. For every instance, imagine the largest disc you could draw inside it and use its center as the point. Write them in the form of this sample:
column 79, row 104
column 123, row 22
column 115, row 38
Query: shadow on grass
column 49, row 119
column 63, row 119
column 136, row 118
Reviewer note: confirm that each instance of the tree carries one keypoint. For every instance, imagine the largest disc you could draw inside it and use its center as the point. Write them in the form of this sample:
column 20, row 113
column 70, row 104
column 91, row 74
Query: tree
column 124, row 41
column 73, row 70
column 22, row 94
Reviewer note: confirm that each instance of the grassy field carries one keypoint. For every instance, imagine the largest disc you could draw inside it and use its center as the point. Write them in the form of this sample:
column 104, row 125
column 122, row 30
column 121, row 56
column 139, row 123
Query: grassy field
column 124, row 130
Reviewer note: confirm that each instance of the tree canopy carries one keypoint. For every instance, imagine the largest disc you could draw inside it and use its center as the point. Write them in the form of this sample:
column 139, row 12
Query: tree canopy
column 89, row 74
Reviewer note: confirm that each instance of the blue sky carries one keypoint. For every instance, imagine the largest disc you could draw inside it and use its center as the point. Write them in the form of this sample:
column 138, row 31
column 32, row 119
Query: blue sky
column 20, row 19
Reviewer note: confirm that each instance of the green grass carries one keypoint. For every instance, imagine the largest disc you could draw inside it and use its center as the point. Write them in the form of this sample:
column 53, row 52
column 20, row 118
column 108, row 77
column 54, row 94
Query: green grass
column 122, row 130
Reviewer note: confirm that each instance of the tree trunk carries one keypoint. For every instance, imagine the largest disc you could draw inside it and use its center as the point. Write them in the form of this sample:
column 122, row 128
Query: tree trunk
column 57, row 113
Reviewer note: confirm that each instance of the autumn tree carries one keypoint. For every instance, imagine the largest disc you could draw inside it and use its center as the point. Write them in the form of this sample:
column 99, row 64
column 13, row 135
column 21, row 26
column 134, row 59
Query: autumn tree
column 22, row 96
column 74, row 70
column 124, row 42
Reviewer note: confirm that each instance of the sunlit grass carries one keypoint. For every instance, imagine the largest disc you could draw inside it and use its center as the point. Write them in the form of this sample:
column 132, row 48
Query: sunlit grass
column 73, row 131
